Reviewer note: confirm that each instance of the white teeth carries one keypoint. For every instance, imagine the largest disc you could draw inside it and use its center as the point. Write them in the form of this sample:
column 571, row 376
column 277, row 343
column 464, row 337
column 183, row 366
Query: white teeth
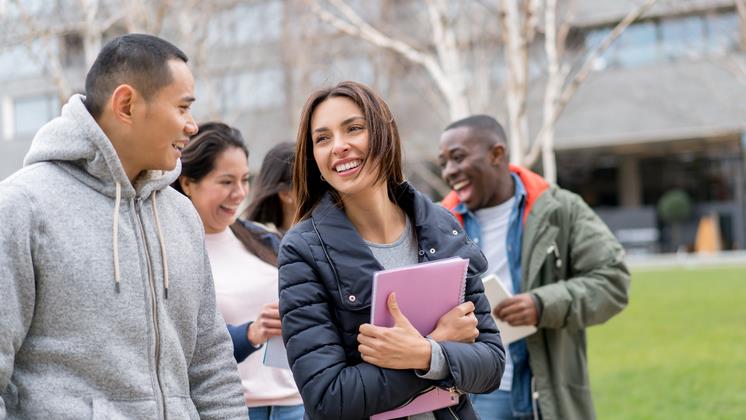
column 348, row 165
column 457, row 186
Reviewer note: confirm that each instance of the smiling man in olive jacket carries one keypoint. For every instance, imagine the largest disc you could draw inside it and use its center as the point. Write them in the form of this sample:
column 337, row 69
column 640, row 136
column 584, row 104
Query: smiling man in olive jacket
column 563, row 265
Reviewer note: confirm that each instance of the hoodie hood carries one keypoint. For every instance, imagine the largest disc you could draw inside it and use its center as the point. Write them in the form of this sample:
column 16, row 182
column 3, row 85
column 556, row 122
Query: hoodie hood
column 76, row 142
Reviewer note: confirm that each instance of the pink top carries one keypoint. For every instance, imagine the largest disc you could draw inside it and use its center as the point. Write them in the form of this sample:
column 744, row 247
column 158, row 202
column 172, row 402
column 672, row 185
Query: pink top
column 243, row 284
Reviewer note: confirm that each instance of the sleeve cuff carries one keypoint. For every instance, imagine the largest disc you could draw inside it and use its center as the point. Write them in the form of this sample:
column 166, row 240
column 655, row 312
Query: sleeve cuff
column 242, row 347
column 438, row 366
column 539, row 307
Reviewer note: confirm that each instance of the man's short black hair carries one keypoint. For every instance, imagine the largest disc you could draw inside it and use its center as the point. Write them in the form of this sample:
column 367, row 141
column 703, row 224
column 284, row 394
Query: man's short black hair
column 138, row 60
column 484, row 124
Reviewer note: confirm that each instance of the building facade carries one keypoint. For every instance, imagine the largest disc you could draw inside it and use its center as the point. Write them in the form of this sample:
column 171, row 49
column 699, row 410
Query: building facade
column 662, row 110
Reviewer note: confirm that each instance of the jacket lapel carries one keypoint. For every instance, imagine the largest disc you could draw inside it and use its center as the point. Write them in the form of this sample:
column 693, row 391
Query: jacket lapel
column 351, row 260
column 538, row 238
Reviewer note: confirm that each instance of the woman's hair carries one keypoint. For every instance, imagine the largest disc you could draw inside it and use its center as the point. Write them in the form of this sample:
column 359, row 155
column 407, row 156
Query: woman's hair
column 274, row 176
column 198, row 159
column 384, row 146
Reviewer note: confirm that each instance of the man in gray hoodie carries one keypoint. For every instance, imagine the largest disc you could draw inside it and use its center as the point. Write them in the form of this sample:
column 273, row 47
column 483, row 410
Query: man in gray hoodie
column 107, row 308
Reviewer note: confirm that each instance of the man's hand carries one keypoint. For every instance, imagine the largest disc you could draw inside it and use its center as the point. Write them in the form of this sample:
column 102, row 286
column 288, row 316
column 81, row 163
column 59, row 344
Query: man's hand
column 398, row 347
column 267, row 324
column 518, row 310
column 458, row 324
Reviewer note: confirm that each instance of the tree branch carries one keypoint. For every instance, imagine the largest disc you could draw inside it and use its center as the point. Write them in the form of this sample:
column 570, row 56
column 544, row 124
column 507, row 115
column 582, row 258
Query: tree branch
column 582, row 75
column 354, row 25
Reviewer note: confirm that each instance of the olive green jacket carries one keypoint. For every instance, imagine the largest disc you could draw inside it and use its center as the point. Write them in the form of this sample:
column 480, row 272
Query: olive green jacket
column 575, row 266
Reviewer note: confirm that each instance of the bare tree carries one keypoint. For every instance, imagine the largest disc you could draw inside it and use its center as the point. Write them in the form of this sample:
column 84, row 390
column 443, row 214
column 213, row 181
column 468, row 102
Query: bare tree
column 520, row 21
column 559, row 88
column 94, row 18
column 445, row 66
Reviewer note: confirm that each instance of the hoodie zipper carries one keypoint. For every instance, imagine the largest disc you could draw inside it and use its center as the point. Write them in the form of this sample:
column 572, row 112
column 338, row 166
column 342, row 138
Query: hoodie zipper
column 154, row 308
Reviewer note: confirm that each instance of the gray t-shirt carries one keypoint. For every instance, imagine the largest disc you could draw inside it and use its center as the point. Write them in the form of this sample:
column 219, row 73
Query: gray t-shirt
column 400, row 253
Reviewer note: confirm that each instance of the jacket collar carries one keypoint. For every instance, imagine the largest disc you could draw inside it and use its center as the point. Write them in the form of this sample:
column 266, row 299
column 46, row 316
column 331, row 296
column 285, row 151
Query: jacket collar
column 534, row 184
column 350, row 257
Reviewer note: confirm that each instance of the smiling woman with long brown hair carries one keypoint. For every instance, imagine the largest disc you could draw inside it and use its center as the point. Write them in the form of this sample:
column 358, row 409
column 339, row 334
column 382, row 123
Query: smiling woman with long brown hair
column 357, row 215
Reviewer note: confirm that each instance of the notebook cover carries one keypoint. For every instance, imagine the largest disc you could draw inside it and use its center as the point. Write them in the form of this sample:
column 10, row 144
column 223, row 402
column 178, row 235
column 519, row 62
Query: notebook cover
column 432, row 400
column 424, row 292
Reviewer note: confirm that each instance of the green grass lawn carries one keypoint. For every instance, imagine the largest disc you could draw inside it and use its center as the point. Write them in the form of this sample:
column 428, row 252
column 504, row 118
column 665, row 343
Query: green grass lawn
column 677, row 352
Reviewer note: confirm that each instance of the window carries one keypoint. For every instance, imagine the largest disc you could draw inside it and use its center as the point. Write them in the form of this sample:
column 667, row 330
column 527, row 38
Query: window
column 247, row 23
column 20, row 61
column 358, row 69
column 636, row 46
column 683, row 37
column 71, row 50
column 668, row 39
column 254, row 90
column 723, row 33
column 31, row 112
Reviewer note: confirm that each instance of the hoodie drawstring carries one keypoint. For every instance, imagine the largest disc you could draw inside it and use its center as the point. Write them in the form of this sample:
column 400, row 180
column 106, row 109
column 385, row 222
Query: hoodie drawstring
column 115, row 240
column 162, row 241
column 115, row 234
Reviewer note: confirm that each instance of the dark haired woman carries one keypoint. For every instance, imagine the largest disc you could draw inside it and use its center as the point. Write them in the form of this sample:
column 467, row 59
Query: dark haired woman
column 272, row 201
column 215, row 177
column 356, row 215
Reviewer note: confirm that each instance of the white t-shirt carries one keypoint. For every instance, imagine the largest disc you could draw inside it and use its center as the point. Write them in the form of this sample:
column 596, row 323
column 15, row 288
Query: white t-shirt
column 243, row 284
column 494, row 223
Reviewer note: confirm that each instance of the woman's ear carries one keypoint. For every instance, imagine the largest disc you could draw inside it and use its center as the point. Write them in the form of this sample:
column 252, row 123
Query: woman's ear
column 186, row 185
column 286, row 196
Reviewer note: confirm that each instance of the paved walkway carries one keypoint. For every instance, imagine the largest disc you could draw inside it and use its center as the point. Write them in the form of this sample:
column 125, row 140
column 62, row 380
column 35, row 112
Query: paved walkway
column 667, row 261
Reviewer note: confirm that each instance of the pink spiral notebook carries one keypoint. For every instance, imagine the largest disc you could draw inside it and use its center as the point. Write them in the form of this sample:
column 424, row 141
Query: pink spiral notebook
column 425, row 292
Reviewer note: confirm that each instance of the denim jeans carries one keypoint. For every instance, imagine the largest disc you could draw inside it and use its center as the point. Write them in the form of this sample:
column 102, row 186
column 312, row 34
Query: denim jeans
column 495, row 406
column 277, row 412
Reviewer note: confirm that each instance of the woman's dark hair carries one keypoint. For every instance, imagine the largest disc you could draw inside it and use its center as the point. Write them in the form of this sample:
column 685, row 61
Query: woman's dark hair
column 383, row 143
column 198, row 159
column 275, row 175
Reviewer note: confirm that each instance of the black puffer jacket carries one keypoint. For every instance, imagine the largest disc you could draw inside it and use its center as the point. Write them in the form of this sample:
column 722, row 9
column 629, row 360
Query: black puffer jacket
column 325, row 294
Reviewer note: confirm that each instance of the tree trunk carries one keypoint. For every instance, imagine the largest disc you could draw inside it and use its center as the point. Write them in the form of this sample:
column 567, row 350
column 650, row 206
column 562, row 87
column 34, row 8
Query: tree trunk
column 516, row 55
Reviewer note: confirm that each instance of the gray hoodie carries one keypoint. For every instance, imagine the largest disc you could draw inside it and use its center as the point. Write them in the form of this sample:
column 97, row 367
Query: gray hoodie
column 107, row 308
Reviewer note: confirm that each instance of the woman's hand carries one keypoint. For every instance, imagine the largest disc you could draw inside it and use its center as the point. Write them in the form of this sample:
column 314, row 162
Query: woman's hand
column 398, row 347
column 458, row 324
column 267, row 324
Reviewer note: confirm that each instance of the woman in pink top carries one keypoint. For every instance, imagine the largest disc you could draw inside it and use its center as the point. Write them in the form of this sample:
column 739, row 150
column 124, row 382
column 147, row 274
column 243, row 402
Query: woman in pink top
column 243, row 256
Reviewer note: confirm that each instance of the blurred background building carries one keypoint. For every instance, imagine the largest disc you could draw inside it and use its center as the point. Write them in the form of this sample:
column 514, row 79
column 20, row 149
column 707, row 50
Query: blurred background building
column 662, row 110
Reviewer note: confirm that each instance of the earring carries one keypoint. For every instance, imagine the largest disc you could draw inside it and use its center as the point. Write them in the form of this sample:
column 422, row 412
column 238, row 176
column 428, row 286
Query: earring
column 322, row 178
